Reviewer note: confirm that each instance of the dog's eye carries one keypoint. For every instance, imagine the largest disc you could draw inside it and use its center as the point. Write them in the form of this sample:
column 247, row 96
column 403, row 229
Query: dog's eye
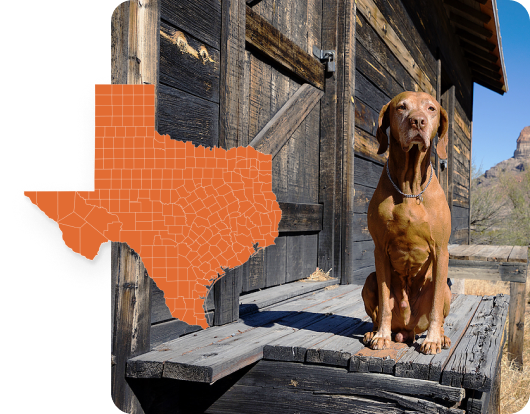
column 432, row 108
column 402, row 106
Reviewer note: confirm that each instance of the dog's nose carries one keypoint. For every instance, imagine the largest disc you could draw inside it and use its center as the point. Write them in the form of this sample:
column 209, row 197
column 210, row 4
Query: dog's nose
column 417, row 121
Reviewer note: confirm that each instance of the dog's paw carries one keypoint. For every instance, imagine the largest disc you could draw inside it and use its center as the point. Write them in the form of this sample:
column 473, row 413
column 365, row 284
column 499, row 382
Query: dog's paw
column 431, row 347
column 376, row 342
column 368, row 338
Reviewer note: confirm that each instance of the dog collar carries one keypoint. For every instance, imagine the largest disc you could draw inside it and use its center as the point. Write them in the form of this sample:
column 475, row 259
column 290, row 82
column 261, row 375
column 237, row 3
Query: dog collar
column 416, row 196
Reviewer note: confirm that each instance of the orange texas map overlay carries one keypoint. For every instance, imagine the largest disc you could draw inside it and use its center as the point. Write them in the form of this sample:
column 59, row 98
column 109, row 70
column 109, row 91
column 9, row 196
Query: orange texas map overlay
column 189, row 212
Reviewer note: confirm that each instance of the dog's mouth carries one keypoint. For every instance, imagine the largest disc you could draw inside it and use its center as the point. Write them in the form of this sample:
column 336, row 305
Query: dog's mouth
column 418, row 140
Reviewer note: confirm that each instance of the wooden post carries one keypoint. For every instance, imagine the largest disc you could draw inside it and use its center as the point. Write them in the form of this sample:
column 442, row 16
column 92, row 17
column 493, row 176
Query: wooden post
column 347, row 34
column 131, row 320
column 135, row 54
column 516, row 322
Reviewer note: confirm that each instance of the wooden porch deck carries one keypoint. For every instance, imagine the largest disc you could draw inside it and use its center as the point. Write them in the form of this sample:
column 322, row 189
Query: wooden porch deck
column 325, row 327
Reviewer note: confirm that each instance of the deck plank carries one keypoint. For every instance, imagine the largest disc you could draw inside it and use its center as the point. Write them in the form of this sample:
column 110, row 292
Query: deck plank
column 519, row 254
column 293, row 348
column 414, row 364
column 481, row 252
column 473, row 362
column 258, row 300
column 500, row 254
column 198, row 357
column 460, row 251
column 339, row 348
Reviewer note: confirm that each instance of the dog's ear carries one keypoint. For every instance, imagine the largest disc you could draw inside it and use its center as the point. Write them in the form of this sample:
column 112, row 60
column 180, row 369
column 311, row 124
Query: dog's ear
column 384, row 123
column 443, row 139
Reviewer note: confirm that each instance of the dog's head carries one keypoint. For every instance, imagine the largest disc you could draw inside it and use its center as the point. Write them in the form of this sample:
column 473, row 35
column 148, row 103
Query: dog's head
column 414, row 118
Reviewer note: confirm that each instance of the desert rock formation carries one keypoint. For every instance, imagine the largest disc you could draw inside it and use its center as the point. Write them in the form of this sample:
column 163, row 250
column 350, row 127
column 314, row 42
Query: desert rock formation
column 523, row 144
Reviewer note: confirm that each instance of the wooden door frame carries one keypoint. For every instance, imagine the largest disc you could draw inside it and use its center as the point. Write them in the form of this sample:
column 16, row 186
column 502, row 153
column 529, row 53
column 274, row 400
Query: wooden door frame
column 336, row 192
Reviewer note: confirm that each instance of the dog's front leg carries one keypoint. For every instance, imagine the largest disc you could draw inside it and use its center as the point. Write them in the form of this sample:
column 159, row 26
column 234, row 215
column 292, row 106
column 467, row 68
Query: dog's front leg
column 382, row 337
column 434, row 340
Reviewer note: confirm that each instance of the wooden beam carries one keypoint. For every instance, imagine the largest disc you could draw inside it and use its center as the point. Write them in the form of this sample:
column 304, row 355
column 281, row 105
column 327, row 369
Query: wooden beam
column 516, row 315
column 131, row 320
column 468, row 37
column 347, row 30
column 484, row 270
column 486, row 63
column 328, row 257
column 468, row 47
column 494, row 75
column 300, row 217
column 231, row 76
column 469, row 26
column 273, row 43
column 370, row 11
column 464, row 8
column 284, row 123
column 479, row 77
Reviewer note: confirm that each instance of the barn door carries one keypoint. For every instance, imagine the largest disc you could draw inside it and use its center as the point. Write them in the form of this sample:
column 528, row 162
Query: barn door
column 280, row 99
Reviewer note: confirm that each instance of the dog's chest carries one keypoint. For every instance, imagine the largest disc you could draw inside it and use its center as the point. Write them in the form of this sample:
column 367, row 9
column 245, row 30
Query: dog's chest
column 408, row 238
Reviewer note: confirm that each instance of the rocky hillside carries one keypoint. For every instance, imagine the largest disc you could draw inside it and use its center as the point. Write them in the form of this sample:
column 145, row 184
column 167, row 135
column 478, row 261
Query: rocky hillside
column 517, row 164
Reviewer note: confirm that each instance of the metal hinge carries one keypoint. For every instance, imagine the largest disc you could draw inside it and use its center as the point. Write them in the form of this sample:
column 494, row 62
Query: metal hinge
column 327, row 57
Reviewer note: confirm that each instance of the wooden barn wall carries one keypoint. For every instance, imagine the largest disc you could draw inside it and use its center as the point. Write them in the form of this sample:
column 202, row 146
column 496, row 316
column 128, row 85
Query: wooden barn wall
column 296, row 166
column 188, row 93
column 380, row 75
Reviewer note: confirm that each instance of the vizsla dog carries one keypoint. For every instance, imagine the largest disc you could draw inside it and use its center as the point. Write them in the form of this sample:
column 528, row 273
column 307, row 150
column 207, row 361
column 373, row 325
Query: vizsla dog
column 410, row 223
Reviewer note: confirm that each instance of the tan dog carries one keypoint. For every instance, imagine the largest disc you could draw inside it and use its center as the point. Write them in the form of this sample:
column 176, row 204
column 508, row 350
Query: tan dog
column 408, row 293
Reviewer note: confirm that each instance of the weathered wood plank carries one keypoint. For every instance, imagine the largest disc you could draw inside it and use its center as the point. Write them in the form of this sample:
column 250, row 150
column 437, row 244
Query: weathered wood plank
column 365, row 63
column 226, row 298
column 215, row 361
column 293, row 347
column 281, row 127
column 413, row 364
column 338, row 349
column 188, row 64
column 232, row 46
column 500, row 254
column 484, row 270
column 169, row 330
column 382, row 361
column 394, row 43
column 201, row 356
column 275, row 262
column 519, row 254
column 305, row 377
column 329, row 129
column 516, row 322
column 458, row 251
column 187, row 117
column 244, row 399
column 159, row 310
column 273, row 43
column 183, row 14
column 473, row 362
column 131, row 320
column 396, row 14
column 300, row 217
column 347, row 32
column 367, row 173
column 255, row 301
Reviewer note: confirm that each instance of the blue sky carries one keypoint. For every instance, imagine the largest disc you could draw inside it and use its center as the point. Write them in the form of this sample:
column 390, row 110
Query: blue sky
column 498, row 120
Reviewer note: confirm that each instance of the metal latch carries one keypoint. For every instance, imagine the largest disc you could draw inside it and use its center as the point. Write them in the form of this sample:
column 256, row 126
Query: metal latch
column 443, row 164
column 327, row 57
